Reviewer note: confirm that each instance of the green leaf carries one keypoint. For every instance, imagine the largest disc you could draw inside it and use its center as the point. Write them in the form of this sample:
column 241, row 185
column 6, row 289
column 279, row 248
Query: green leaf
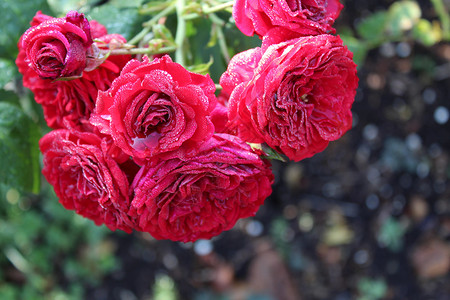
column 19, row 152
column 164, row 288
column 239, row 44
column 16, row 17
column 391, row 234
column 8, row 71
column 372, row 27
column 427, row 33
column 372, row 289
column 201, row 68
column 9, row 96
column 199, row 53
column 269, row 152
column 402, row 16
column 160, row 31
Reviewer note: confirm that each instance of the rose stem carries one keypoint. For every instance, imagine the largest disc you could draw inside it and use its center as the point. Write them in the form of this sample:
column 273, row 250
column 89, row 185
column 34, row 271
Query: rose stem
column 148, row 25
column 181, row 32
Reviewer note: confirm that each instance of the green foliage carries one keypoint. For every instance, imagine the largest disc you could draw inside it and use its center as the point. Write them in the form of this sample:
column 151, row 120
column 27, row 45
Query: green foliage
column 61, row 7
column 402, row 16
column 164, row 288
column 391, row 234
column 42, row 245
column 8, row 70
column 278, row 230
column 16, row 16
column 400, row 22
column 371, row 289
column 117, row 18
column 19, row 151
column 372, row 28
column 201, row 68
column 427, row 33
column 48, row 245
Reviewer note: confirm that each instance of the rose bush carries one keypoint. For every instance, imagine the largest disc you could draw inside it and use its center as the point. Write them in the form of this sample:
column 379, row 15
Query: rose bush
column 298, row 98
column 155, row 107
column 197, row 197
column 304, row 17
column 57, row 47
column 86, row 178
column 146, row 145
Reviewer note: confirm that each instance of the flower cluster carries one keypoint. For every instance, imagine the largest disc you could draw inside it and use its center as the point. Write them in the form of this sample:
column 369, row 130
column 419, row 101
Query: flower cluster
column 144, row 144
column 134, row 145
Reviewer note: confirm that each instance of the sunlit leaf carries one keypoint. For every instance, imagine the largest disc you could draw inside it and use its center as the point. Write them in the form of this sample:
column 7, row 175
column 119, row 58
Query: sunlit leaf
column 402, row 16
column 372, row 28
column 427, row 33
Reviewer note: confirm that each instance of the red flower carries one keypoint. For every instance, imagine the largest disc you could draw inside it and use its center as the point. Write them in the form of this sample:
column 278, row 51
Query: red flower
column 86, row 179
column 298, row 98
column 57, row 47
column 198, row 197
column 305, row 17
column 155, row 107
column 69, row 104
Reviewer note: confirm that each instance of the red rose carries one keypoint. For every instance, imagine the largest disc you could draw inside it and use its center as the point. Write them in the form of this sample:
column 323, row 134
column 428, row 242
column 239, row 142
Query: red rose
column 57, row 47
column 155, row 107
column 305, row 17
column 97, row 29
column 185, row 199
column 85, row 177
column 69, row 104
column 299, row 97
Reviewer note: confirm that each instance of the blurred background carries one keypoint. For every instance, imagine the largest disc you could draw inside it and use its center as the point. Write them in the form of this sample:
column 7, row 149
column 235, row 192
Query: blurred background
column 368, row 218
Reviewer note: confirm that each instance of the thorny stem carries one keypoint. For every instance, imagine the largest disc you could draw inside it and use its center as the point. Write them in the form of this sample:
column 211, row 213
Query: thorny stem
column 217, row 8
column 147, row 51
column 148, row 25
column 220, row 36
column 209, row 10
column 181, row 32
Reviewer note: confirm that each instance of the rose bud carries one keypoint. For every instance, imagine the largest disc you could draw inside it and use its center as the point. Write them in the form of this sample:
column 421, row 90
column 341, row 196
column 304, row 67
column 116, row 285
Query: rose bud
column 57, row 47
